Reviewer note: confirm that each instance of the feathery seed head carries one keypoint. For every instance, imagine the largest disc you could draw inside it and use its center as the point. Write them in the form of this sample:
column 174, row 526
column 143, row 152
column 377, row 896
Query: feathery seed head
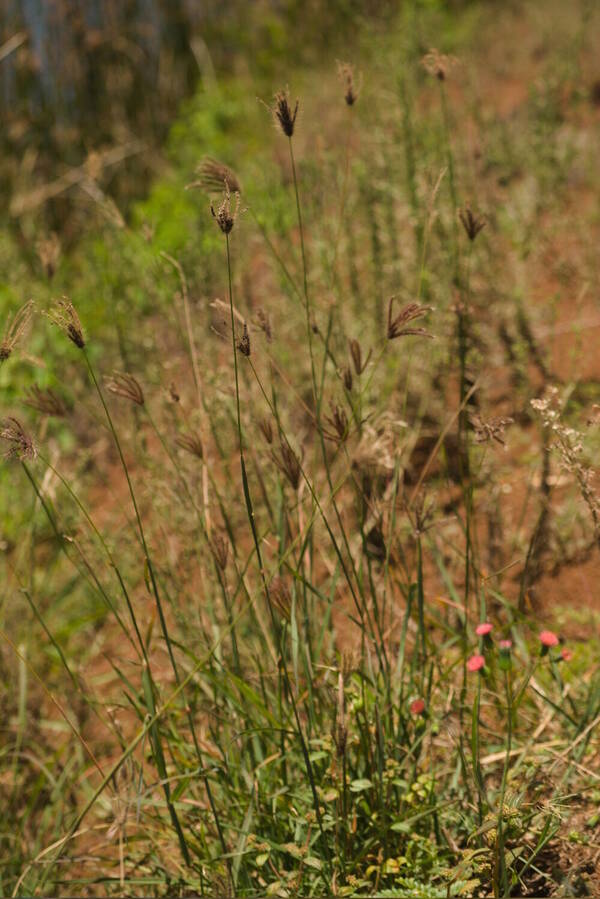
column 289, row 464
column 267, row 429
column 397, row 327
column 220, row 550
column 283, row 112
column 346, row 74
column 45, row 401
column 15, row 327
column 48, row 250
column 347, row 377
column 281, row 596
column 125, row 385
column 438, row 64
column 339, row 422
column 471, row 222
column 225, row 216
column 215, row 177
column 486, row 431
column 21, row 445
column 264, row 323
column 243, row 343
column 356, row 353
column 64, row 316
column 191, row 443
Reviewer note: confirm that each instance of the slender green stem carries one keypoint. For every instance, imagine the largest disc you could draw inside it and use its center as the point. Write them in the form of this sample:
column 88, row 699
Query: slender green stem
column 502, row 873
column 276, row 628
column 163, row 625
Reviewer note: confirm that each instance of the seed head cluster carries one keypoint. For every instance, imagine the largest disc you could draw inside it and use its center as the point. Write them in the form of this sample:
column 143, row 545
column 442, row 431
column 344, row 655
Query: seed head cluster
column 125, row 385
column 15, row 328
column 438, row 64
column 45, row 401
column 64, row 316
column 339, row 422
column 283, row 113
column 397, row 326
column 225, row 215
column 220, row 550
column 471, row 222
column 267, row 429
column 20, row 444
column 191, row 443
column 357, row 359
column 486, row 431
column 215, row 176
column 281, row 596
column 289, row 464
column 346, row 73
column 243, row 343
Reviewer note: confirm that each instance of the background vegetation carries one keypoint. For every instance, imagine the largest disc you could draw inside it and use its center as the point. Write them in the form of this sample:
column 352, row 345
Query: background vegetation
column 299, row 521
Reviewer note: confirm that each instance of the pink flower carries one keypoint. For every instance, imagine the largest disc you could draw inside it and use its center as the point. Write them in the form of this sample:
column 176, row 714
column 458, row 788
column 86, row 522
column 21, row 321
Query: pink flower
column 475, row 663
column 566, row 655
column 505, row 645
column 483, row 629
column 417, row 707
column 548, row 638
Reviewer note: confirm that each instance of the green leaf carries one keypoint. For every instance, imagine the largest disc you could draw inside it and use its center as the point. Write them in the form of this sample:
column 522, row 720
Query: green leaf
column 357, row 786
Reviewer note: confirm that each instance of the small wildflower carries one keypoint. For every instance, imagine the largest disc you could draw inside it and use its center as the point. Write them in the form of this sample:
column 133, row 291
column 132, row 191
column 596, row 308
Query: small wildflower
column 21, row 445
column 397, row 326
column 483, row 629
column 438, row 64
column 346, row 74
column 225, row 216
column 417, row 707
column 283, row 113
column 566, row 654
column 15, row 328
column 471, row 222
column 64, row 316
column 548, row 639
column 122, row 384
column 243, row 343
column 191, row 443
column 45, row 401
column 505, row 645
column 475, row 663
